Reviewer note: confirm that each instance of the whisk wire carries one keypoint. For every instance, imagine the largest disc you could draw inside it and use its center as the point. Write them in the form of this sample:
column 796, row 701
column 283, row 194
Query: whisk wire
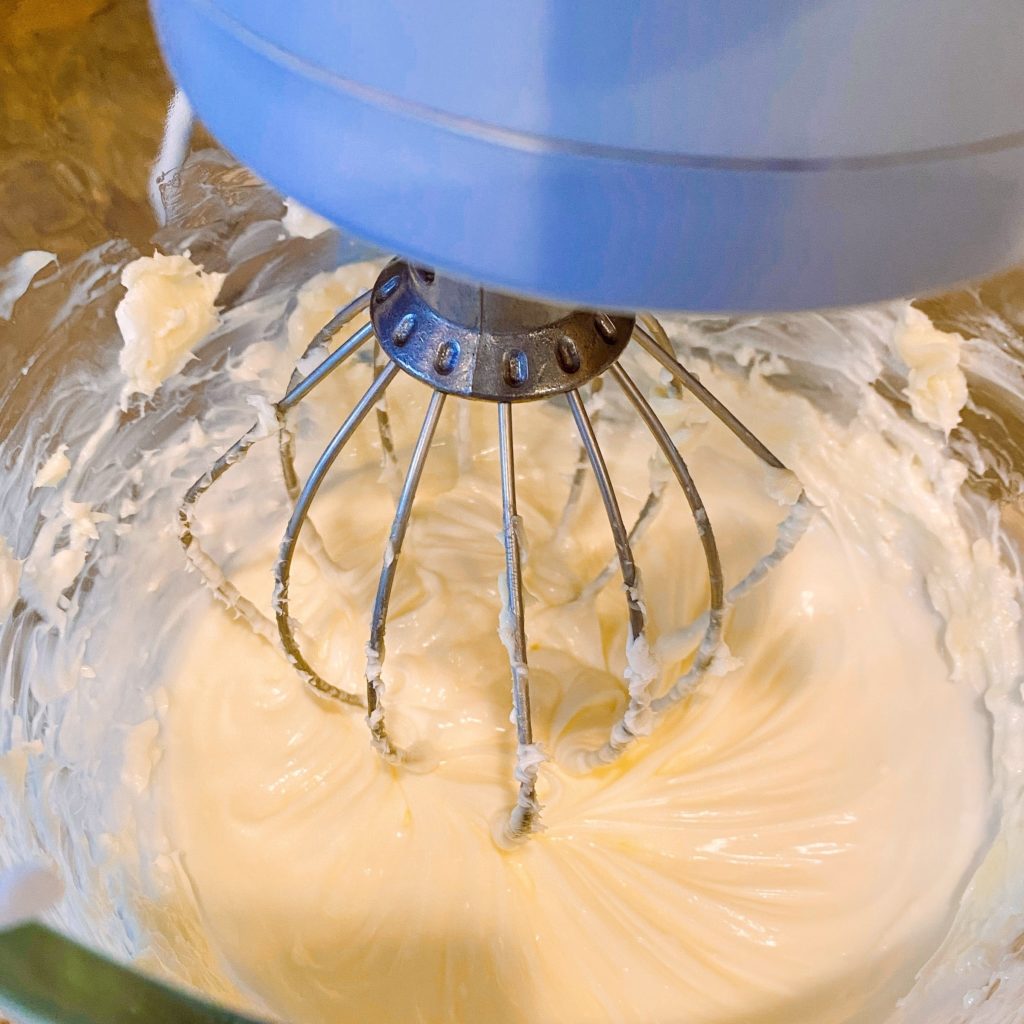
column 709, row 645
column 388, row 457
column 579, row 476
column 223, row 589
column 641, row 671
column 692, row 384
column 282, row 568
column 300, row 386
column 652, row 503
column 323, row 337
column 624, row 552
column 787, row 534
column 318, row 375
column 512, row 629
column 378, row 623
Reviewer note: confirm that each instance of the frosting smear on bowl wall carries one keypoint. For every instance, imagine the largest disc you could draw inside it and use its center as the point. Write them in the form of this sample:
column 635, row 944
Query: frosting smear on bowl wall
column 825, row 830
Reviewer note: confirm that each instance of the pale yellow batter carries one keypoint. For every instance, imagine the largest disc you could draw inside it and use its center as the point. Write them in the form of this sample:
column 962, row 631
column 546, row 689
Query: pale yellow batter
column 829, row 831
column 789, row 845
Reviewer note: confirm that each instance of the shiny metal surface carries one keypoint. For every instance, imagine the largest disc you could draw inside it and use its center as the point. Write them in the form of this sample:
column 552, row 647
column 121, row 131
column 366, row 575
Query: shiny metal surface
column 299, row 517
column 82, row 96
column 468, row 305
column 378, row 626
column 526, row 813
column 469, row 341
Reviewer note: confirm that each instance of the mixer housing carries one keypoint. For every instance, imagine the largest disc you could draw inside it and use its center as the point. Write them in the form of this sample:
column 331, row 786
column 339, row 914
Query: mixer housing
column 709, row 155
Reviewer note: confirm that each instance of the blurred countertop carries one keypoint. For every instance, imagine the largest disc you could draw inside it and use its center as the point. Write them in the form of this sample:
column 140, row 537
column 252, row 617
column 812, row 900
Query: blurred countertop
column 83, row 93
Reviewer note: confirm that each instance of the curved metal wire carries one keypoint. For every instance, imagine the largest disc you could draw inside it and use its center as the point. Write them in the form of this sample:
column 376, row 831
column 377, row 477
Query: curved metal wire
column 787, row 535
column 388, row 458
column 525, row 815
column 689, row 381
column 716, row 615
column 660, row 335
column 787, row 532
column 300, row 388
column 572, row 500
column 378, row 623
column 323, row 337
column 312, row 539
column 624, row 731
column 652, row 503
column 579, row 476
column 643, row 709
column 283, row 566
column 641, row 670
column 623, row 550
column 223, row 589
column 645, row 517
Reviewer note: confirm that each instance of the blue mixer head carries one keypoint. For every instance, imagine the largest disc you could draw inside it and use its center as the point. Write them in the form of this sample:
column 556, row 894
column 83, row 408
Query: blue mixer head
column 716, row 155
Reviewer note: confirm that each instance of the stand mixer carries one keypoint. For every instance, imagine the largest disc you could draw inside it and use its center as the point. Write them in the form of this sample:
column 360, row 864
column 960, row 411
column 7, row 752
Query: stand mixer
column 698, row 156
column 669, row 156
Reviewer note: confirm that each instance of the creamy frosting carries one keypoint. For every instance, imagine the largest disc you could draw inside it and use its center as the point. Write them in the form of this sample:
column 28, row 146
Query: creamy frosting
column 54, row 469
column 16, row 277
column 829, row 829
column 10, row 579
column 168, row 307
column 301, row 222
column 769, row 853
column 936, row 386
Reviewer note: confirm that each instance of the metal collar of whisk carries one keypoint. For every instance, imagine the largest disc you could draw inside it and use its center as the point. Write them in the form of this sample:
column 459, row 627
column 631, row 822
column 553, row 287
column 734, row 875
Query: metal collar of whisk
column 465, row 341
column 475, row 343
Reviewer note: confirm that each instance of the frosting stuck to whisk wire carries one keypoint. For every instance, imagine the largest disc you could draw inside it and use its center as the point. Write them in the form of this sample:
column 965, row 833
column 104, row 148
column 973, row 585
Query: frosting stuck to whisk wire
column 467, row 342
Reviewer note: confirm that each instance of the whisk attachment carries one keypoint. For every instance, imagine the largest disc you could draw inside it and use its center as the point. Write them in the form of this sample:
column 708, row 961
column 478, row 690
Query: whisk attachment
column 466, row 341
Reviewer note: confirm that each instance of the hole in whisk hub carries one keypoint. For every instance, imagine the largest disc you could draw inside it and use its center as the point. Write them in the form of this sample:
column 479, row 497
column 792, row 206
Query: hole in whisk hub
column 517, row 368
column 606, row 328
column 404, row 329
column 568, row 355
column 386, row 288
column 466, row 340
column 447, row 357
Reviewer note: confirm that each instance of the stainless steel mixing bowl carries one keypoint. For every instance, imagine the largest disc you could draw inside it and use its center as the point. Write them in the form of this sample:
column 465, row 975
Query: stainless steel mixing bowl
column 82, row 98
